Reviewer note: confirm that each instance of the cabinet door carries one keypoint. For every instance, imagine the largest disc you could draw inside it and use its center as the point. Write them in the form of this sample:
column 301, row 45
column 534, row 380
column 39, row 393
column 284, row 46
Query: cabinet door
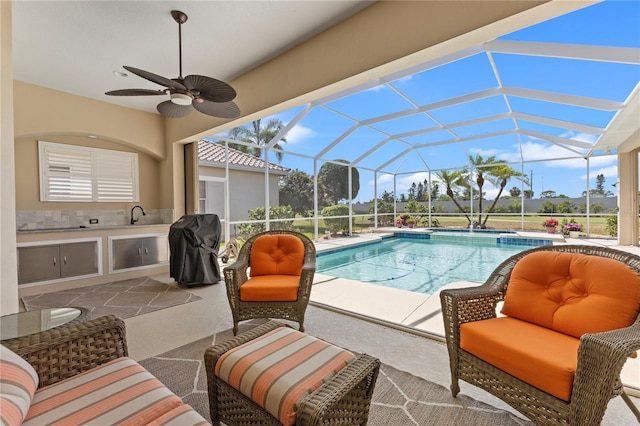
column 155, row 250
column 38, row 263
column 78, row 259
column 127, row 253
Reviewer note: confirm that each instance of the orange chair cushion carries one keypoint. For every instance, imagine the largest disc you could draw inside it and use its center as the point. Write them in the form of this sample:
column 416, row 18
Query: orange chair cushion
column 270, row 288
column 536, row 355
column 573, row 293
column 277, row 255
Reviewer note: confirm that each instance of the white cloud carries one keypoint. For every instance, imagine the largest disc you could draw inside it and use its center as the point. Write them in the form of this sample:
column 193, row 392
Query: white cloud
column 299, row 133
column 607, row 172
column 583, row 137
column 487, row 152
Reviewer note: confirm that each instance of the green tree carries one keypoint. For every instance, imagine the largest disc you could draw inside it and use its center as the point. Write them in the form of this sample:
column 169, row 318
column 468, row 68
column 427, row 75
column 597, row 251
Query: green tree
column 383, row 207
column 335, row 180
column 412, row 191
column 548, row 194
column 565, row 207
column 338, row 224
column 547, row 207
column 600, row 183
column 388, row 197
column 296, row 190
column 453, row 181
column 528, row 194
column 258, row 136
column 502, row 173
column 435, row 189
column 515, row 192
column 420, row 196
column 275, row 212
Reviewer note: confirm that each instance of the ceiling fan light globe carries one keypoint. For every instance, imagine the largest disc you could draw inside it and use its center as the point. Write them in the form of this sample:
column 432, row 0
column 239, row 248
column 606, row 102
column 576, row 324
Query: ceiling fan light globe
column 180, row 99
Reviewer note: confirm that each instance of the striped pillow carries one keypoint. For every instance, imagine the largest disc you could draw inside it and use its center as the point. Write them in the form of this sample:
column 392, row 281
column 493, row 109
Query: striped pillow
column 118, row 392
column 18, row 384
column 275, row 370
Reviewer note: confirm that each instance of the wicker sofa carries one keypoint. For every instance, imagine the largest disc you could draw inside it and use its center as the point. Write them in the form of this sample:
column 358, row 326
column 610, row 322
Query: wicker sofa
column 80, row 374
column 571, row 320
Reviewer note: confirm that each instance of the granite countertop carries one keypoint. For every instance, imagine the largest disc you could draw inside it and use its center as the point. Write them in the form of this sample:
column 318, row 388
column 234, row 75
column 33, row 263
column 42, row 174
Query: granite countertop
column 90, row 228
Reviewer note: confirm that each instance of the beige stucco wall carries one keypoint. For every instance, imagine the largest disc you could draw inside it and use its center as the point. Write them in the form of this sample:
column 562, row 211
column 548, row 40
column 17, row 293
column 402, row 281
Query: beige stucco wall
column 8, row 257
column 41, row 112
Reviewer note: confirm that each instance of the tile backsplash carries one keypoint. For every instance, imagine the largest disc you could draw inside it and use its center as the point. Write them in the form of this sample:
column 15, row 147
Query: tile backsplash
column 51, row 219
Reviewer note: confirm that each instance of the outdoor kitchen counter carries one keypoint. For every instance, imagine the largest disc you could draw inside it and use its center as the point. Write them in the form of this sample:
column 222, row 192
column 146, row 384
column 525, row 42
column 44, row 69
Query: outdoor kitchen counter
column 104, row 239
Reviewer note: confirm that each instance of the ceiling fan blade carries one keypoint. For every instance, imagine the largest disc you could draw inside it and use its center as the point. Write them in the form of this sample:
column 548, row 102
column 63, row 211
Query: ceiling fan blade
column 136, row 92
column 210, row 89
column 218, row 109
column 171, row 110
column 158, row 79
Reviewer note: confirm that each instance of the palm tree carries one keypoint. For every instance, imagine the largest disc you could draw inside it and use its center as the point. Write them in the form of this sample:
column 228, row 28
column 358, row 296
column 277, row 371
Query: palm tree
column 503, row 173
column 483, row 167
column 258, row 136
column 452, row 180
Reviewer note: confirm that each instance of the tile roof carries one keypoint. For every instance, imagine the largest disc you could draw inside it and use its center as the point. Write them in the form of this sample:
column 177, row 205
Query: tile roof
column 214, row 153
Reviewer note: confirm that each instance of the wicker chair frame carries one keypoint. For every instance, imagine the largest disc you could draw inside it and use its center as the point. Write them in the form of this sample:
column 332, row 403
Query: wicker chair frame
column 344, row 400
column 601, row 356
column 68, row 350
column 236, row 274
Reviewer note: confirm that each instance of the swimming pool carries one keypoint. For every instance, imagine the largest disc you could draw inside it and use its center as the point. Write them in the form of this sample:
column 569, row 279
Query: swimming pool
column 420, row 265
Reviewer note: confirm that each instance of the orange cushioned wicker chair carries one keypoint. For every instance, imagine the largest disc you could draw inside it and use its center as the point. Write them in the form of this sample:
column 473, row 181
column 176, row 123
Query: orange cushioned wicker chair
column 281, row 266
column 570, row 320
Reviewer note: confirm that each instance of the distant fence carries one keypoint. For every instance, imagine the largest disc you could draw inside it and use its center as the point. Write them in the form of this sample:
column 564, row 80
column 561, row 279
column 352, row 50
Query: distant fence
column 530, row 206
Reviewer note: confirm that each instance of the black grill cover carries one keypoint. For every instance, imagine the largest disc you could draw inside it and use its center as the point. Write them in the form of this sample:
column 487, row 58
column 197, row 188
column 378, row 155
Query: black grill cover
column 194, row 241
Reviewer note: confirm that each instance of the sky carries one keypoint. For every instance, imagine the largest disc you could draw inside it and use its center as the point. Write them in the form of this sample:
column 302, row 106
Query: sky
column 443, row 133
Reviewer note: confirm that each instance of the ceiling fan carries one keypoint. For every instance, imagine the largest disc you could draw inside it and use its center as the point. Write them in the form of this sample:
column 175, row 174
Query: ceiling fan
column 204, row 94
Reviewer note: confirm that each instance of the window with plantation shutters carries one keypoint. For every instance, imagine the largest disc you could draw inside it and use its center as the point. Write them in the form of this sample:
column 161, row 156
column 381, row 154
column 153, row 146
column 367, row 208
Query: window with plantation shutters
column 78, row 173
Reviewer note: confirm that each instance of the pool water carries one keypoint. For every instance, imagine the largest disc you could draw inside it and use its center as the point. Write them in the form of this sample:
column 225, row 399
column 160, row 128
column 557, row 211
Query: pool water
column 422, row 266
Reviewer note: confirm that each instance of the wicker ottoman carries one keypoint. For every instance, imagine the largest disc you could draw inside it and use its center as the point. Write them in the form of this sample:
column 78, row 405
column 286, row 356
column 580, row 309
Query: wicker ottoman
column 259, row 370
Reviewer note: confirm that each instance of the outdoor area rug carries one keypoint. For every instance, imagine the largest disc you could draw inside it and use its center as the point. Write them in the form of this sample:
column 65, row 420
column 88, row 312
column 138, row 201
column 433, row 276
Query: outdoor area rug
column 399, row 398
column 124, row 299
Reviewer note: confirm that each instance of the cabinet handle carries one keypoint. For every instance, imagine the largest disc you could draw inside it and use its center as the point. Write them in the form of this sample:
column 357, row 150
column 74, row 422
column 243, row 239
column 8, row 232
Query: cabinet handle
column 55, row 261
column 139, row 251
column 64, row 259
column 146, row 250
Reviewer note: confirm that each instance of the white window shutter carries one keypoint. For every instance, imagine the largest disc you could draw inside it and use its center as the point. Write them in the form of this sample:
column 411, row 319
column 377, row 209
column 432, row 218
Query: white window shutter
column 77, row 173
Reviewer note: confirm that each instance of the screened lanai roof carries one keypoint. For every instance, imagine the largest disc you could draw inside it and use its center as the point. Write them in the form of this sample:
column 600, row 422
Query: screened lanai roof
column 567, row 88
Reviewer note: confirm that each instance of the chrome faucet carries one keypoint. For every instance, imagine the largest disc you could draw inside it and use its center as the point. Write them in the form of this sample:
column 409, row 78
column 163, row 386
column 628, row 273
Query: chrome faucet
column 132, row 209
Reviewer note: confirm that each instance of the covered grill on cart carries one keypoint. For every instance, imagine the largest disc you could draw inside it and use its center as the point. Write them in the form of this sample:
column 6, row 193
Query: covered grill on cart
column 194, row 241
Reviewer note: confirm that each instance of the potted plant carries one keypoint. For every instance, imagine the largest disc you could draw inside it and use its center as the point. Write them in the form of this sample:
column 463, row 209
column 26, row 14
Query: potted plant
column 411, row 222
column 572, row 228
column 399, row 222
column 551, row 225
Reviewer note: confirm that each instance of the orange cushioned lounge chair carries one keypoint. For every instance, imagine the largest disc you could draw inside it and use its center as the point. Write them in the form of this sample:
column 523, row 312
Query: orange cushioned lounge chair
column 281, row 265
column 570, row 320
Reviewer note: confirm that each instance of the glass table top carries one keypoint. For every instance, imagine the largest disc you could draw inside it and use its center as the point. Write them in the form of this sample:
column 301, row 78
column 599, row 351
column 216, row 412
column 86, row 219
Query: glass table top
column 30, row 322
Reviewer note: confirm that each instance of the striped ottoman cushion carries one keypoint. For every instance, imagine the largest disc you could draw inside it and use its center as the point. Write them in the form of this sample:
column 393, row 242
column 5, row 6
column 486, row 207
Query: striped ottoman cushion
column 276, row 369
column 181, row 416
column 118, row 392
